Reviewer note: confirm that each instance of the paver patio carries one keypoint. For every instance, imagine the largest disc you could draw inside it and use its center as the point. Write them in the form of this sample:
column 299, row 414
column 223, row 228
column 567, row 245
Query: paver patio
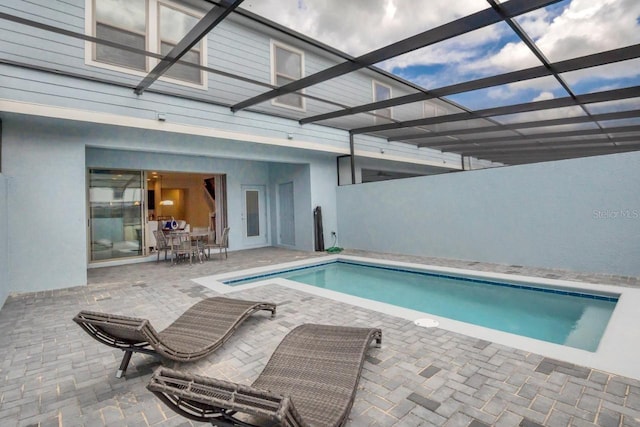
column 54, row 374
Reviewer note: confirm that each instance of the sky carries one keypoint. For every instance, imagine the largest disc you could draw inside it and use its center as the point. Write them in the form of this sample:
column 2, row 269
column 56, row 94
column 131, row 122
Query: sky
column 568, row 29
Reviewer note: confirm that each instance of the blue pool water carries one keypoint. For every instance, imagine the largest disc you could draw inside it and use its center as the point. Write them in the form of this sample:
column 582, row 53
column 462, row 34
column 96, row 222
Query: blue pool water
column 570, row 318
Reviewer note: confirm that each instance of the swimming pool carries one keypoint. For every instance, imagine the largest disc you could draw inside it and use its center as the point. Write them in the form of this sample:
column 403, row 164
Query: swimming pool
column 562, row 316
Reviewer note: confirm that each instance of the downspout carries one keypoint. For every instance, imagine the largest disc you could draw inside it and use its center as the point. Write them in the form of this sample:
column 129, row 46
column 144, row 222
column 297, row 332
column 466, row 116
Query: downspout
column 353, row 160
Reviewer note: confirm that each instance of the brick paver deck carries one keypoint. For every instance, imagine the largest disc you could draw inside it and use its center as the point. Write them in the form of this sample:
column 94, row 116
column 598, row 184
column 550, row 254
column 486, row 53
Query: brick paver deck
column 54, row 374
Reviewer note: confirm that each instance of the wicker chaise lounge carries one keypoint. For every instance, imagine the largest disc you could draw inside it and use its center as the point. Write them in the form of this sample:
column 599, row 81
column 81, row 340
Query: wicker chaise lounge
column 197, row 332
column 310, row 380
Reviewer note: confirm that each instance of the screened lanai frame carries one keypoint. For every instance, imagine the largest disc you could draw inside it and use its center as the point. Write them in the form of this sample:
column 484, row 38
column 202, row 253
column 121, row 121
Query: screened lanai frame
column 505, row 142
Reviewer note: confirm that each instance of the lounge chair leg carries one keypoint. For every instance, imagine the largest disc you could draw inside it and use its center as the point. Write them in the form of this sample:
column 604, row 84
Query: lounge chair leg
column 123, row 365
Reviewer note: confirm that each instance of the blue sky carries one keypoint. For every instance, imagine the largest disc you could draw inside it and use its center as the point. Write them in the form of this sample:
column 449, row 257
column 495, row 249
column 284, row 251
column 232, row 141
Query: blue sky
column 565, row 30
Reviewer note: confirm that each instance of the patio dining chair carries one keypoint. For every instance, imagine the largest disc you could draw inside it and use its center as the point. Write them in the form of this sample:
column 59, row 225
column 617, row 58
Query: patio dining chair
column 161, row 244
column 222, row 245
column 182, row 247
column 196, row 333
column 310, row 380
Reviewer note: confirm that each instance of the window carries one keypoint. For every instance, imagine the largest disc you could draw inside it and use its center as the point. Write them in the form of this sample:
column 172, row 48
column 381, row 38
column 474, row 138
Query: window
column 430, row 109
column 153, row 25
column 124, row 23
column 116, row 211
column 173, row 26
column 380, row 93
column 287, row 66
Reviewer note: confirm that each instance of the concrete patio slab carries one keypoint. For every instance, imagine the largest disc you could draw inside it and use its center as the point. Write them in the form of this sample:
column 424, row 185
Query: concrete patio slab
column 53, row 374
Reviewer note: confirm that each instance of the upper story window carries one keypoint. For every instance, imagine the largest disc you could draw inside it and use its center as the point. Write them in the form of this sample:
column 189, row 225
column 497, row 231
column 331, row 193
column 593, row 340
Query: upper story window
column 380, row 93
column 430, row 109
column 123, row 23
column 153, row 25
column 287, row 65
column 173, row 26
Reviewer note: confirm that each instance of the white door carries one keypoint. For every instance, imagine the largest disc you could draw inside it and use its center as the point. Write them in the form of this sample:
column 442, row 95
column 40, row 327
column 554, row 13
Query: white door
column 286, row 219
column 254, row 215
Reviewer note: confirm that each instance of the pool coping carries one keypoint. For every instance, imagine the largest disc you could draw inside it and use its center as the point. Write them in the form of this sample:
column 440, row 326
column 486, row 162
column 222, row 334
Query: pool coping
column 617, row 353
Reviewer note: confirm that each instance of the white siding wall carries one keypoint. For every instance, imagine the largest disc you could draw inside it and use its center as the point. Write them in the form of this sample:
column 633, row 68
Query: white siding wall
column 234, row 46
column 78, row 95
column 581, row 215
column 117, row 105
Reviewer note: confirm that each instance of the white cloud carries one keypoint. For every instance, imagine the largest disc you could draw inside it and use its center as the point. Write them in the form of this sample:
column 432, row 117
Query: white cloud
column 513, row 56
column 554, row 113
column 535, row 23
column 359, row 26
column 544, row 96
column 603, row 76
column 588, row 26
column 584, row 27
column 612, row 106
column 464, row 49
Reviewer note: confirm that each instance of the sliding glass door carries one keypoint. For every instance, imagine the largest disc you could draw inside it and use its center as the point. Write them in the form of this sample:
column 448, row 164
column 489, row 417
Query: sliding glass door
column 116, row 212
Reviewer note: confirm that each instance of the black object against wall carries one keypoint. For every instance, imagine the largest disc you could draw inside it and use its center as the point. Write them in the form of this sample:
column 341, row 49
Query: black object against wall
column 317, row 229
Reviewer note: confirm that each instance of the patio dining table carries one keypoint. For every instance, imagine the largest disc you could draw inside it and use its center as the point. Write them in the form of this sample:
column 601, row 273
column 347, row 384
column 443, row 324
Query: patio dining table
column 198, row 239
column 184, row 242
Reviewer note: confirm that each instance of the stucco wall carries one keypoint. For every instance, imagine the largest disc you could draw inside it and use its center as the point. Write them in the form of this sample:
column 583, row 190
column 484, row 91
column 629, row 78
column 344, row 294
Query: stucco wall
column 303, row 217
column 323, row 193
column 581, row 215
column 4, row 261
column 45, row 163
column 47, row 212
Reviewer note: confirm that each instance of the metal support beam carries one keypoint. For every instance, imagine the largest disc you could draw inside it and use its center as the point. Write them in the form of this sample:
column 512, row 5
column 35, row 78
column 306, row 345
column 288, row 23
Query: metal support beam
column 105, row 42
column 534, row 146
column 569, row 151
column 548, row 157
column 608, row 95
column 538, row 54
column 515, row 126
column 565, row 153
column 199, row 31
column 594, row 60
column 352, row 151
column 447, row 31
column 50, row 28
column 488, row 142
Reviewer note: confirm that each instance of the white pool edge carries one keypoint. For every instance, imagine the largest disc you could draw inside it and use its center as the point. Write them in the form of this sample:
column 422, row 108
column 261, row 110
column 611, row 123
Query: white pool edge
column 619, row 348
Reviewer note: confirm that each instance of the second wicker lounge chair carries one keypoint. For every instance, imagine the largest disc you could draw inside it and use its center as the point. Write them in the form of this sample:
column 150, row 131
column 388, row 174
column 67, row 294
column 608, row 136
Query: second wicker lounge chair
column 197, row 332
column 310, row 380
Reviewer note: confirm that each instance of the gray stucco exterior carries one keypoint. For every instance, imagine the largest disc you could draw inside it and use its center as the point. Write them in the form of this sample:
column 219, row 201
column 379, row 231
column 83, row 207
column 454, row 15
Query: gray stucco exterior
column 580, row 215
